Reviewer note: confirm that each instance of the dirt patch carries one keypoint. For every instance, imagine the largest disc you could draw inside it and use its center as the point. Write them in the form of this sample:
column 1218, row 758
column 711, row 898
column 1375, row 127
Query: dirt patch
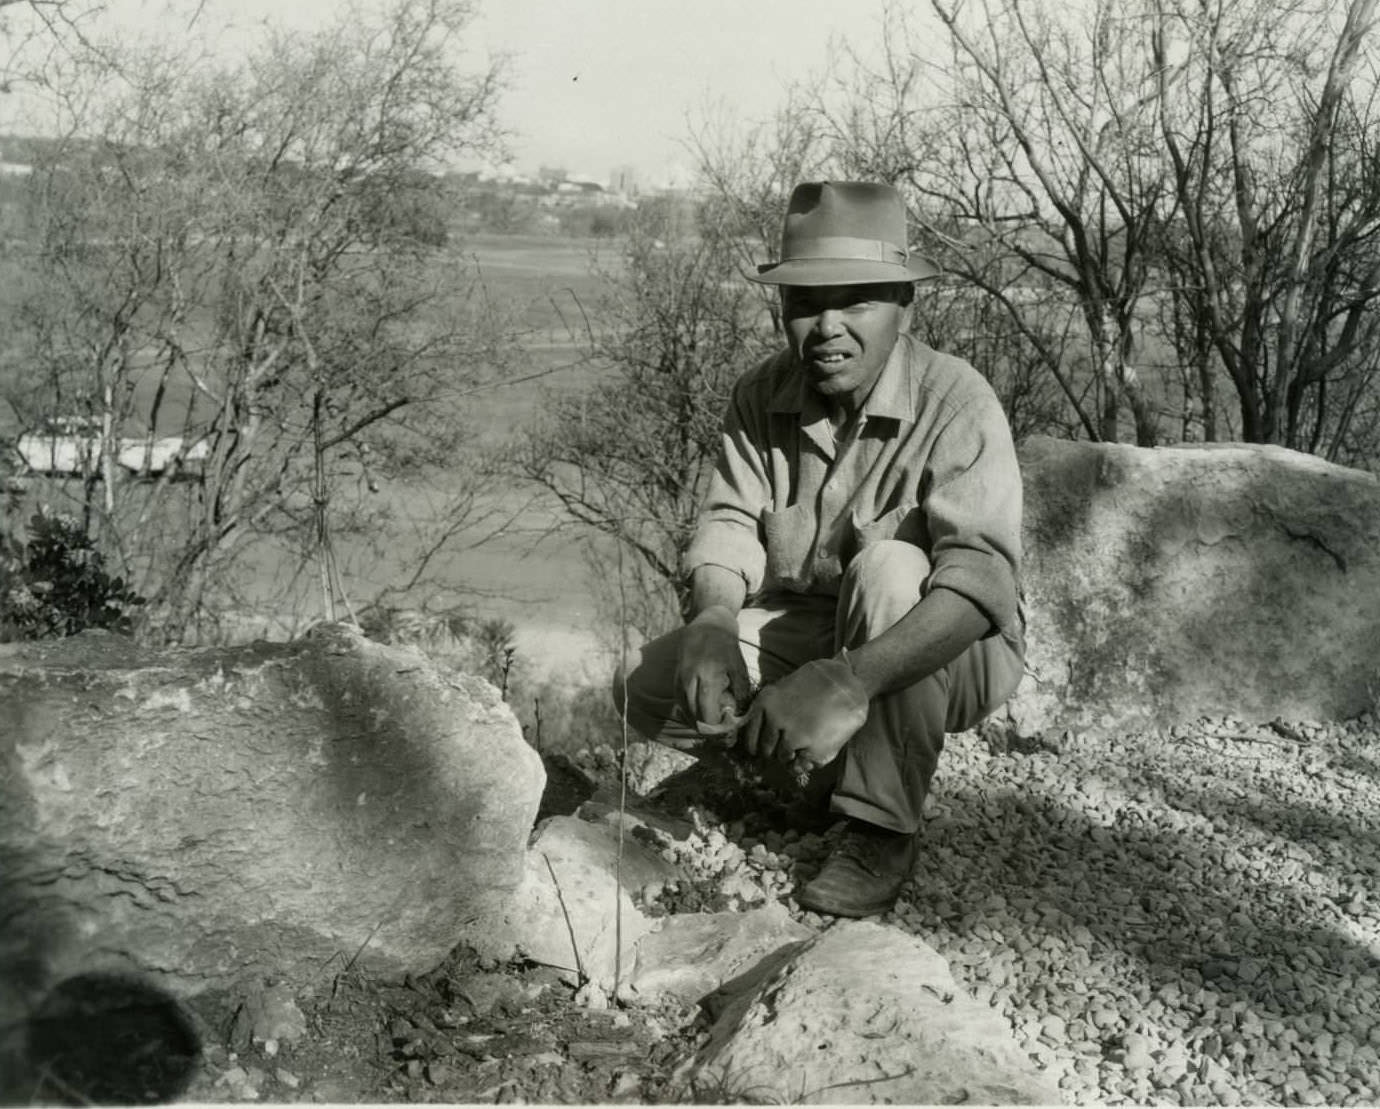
column 471, row 1031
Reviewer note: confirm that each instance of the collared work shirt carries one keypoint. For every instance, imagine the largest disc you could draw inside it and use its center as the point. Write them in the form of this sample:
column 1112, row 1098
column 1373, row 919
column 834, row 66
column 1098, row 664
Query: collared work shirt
column 929, row 460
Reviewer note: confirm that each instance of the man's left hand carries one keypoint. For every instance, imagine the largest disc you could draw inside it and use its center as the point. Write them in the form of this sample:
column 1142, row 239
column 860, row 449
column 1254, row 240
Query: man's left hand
column 808, row 715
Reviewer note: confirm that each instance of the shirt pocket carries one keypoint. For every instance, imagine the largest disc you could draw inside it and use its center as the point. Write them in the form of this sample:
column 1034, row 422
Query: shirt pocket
column 790, row 535
column 905, row 522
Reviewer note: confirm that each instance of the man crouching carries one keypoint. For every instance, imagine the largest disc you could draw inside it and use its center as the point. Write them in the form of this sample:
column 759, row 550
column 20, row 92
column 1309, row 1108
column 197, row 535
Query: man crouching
column 856, row 558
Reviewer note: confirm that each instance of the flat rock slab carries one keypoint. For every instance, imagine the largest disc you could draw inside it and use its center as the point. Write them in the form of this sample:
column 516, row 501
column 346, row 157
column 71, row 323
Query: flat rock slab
column 207, row 817
column 1169, row 584
column 864, row 1014
column 566, row 915
column 571, row 912
column 691, row 955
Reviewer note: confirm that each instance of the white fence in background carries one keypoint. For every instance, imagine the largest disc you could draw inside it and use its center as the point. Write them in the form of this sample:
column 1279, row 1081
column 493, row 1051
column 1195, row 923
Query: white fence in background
column 59, row 455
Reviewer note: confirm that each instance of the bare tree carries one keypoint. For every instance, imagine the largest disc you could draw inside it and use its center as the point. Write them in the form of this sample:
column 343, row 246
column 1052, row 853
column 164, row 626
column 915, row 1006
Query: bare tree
column 1270, row 154
column 749, row 174
column 1164, row 199
column 36, row 34
column 631, row 458
column 1017, row 327
column 246, row 255
column 1031, row 160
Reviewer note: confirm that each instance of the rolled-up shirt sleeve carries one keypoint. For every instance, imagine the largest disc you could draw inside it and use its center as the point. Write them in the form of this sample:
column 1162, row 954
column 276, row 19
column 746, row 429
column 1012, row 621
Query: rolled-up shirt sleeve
column 729, row 530
column 973, row 510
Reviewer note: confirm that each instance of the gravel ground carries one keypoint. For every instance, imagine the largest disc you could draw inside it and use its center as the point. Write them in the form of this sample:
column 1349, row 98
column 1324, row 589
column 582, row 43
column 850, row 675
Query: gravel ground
column 1190, row 918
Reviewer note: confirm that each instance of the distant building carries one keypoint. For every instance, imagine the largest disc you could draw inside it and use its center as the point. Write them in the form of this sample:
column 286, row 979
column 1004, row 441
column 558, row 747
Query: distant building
column 586, row 185
column 505, row 174
column 13, row 169
column 623, row 181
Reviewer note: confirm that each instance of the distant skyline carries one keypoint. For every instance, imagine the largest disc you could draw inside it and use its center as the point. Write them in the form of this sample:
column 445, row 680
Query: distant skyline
column 599, row 84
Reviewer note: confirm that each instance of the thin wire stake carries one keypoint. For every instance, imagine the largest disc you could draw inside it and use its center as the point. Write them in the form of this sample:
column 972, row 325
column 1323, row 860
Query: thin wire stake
column 622, row 776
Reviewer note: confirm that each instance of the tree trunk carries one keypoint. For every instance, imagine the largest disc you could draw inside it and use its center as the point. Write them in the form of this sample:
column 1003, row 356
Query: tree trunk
column 1207, row 392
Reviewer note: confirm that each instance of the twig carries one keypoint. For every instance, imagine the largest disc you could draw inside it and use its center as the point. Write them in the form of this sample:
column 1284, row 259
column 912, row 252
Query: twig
column 508, row 653
column 569, row 927
column 1280, row 728
column 1241, row 738
column 374, row 931
column 335, row 982
column 46, row 1075
column 856, row 1082
column 1217, row 751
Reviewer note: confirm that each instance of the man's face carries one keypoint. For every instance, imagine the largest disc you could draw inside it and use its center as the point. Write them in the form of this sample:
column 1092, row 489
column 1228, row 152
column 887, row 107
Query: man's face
column 843, row 335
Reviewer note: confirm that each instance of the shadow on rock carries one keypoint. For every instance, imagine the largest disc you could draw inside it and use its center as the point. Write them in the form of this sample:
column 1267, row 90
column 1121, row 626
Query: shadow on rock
column 103, row 1039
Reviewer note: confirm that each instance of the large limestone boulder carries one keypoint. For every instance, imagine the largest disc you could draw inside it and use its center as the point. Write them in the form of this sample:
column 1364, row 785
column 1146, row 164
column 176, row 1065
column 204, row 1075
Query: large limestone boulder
column 863, row 1015
column 203, row 817
column 1169, row 584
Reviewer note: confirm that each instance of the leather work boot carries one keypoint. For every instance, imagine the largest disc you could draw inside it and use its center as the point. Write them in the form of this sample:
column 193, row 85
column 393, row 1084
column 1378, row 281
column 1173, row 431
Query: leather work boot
column 864, row 874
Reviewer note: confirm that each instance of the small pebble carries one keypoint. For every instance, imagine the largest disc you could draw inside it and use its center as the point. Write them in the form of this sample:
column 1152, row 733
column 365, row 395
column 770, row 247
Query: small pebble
column 1137, row 1053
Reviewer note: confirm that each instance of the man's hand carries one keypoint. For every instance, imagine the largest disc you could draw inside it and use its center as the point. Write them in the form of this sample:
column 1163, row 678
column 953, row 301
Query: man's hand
column 711, row 677
column 808, row 715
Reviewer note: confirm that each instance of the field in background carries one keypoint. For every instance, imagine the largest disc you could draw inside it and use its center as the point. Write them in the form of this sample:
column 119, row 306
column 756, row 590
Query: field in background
column 528, row 575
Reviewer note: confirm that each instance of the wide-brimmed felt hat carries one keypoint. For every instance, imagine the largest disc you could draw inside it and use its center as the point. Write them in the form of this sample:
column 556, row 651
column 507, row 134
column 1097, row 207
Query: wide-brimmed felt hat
column 844, row 233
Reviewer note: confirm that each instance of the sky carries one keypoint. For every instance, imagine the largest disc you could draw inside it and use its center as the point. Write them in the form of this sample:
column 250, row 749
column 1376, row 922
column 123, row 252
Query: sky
column 599, row 84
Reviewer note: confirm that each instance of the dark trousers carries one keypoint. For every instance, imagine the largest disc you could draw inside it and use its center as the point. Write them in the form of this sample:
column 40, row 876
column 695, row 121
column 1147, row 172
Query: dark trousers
column 884, row 771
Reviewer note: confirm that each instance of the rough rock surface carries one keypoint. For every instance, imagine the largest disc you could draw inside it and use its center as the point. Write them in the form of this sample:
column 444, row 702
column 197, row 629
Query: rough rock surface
column 566, row 906
column 865, row 1014
column 204, row 816
column 1170, row 584
column 691, row 955
column 651, row 764
column 564, row 914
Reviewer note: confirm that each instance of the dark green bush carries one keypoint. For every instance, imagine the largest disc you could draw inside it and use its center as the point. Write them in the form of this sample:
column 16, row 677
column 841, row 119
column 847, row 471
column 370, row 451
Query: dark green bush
column 56, row 584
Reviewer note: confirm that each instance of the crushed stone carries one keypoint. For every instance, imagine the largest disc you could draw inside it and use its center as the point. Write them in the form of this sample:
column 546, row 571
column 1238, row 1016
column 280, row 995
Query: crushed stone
column 1183, row 917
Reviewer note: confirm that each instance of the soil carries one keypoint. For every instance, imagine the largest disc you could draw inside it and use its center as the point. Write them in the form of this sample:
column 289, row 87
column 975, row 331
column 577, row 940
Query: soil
column 469, row 1032
column 472, row 1031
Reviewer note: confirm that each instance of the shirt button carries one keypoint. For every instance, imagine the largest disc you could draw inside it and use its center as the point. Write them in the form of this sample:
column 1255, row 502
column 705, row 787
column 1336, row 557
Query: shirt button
column 823, row 552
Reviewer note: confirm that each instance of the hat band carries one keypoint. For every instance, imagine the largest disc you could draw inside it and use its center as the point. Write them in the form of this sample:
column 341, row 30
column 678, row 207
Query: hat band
column 840, row 248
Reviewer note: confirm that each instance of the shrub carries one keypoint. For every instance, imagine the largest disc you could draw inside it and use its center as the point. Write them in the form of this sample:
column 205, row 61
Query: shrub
column 456, row 638
column 560, row 718
column 57, row 585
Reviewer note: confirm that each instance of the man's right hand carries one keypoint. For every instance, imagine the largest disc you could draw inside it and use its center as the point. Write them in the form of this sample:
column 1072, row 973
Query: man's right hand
column 711, row 676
